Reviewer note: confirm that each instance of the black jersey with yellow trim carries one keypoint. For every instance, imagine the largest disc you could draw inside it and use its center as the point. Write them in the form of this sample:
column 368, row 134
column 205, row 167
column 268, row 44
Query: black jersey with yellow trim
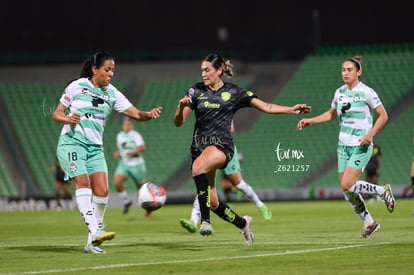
column 214, row 112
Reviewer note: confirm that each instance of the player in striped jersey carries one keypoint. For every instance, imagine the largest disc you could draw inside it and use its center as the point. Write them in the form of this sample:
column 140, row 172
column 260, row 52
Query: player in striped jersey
column 83, row 109
column 130, row 147
column 353, row 105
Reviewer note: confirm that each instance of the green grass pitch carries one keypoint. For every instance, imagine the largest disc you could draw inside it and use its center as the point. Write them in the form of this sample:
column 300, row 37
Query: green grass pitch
column 307, row 237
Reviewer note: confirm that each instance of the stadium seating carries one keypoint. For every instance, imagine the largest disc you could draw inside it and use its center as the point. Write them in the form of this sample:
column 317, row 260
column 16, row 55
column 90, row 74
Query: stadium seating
column 37, row 133
column 397, row 150
column 166, row 145
column 387, row 70
column 7, row 186
column 397, row 143
column 389, row 73
column 315, row 83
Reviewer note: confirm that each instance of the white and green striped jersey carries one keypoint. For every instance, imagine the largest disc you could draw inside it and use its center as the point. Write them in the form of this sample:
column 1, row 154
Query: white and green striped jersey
column 93, row 105
column 354, row 108
column 128, row 142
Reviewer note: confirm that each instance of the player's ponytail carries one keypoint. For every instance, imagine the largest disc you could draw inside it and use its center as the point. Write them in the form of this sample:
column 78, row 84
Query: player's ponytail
column 86, row 70
column 228, row 68
column 95, row 60
column 217, row 61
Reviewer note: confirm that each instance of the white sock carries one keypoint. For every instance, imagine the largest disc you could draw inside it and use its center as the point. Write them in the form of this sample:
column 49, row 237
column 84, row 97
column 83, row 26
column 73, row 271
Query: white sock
column 99, row 207
column 359, row 207
column 365, row 187
column 195, row 212
column 249, row 192
column 89, row 241
column 124, row 196
column 83, row 200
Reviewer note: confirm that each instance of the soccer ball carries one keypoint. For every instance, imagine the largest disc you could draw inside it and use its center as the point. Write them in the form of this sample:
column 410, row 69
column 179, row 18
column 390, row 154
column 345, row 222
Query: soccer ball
column 151, row 196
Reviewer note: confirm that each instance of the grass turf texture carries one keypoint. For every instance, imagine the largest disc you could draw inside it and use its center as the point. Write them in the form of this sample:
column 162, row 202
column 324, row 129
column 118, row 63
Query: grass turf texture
column 312, row 237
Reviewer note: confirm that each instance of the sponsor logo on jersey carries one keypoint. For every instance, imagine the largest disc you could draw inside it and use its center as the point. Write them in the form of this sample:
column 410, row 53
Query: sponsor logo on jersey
column 202, row 96
column 66, row 98
column 95, row 92
column 90, row 116
column 210, row 105
column 345, row 107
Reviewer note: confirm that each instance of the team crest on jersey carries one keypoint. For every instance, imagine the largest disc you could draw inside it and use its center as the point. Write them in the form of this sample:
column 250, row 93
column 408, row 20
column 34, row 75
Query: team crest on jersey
column 225, row 96
column 73, row 167
column 105, row 95
column 356, row 98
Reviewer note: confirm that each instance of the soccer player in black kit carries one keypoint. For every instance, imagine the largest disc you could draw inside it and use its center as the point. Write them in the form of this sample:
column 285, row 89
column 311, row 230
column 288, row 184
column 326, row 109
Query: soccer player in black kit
column 214, row 103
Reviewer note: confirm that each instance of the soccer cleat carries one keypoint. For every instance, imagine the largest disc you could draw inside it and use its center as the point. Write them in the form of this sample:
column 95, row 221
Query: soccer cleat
column 266, row 213
column 101, row 236
column 206, row 229
column 370, row 229
column 388, row 198
column 189, row 225
column 126, row 207
column 247, row 231
column 89, row 248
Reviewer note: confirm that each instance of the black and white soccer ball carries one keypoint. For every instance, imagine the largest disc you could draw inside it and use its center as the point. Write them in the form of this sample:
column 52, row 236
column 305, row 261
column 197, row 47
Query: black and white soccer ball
column 152, row 196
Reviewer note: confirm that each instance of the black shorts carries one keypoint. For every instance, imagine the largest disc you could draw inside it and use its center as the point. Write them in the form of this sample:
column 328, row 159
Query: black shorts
column 60, row 176
column 372, row 171
column 227, row 149
column 372, row 168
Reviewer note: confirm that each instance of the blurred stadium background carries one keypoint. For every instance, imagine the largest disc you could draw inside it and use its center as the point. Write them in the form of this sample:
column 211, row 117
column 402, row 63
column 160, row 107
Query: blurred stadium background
column 284, row 52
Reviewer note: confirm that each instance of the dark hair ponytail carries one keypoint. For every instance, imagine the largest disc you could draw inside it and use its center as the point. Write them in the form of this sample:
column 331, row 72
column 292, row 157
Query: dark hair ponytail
column 220, row 62
column 95, row 60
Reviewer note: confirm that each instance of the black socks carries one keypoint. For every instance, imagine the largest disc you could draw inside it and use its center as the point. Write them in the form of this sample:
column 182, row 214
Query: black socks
column 227, row 214
column 203, row 195
column 223, row 210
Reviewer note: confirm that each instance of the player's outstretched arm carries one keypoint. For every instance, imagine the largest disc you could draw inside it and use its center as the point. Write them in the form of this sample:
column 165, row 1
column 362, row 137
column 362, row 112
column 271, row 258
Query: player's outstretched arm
column 270, row 108
column 324, row 117
column 139, row 115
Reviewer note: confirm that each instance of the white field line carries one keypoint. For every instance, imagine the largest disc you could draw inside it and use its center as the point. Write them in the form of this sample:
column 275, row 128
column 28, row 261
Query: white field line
column 289, row 252
column 112, row 243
